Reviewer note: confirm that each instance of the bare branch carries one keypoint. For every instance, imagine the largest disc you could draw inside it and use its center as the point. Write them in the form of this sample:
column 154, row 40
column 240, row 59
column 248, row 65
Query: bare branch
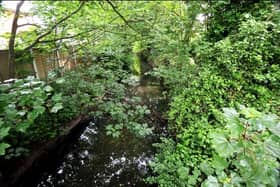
column 67, row 37
column 54, row 26
column 28, row 24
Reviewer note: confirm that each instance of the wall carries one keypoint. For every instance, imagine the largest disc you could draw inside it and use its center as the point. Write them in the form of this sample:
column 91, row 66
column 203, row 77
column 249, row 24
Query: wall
column 21, row 68
column 43, row 62
column 46, row 62
column 4, row 69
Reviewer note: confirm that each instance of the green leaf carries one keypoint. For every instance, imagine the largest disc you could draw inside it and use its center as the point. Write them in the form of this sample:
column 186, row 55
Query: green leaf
column 4, row 131
column 23, row 126
column 230, row 113
column 210, row 182
column 273, row 146
column 57, row 97
column 275, row 129
column 60, row 81
column 206, row 168
column 32, row 115
column 48, row 88
column 236, row 128
column 56, row 107
column 3, row 147
column 269, row 119
column 39, row 109
column 21, row 113
column 219, row 163
column 235, row 179
column 250, row 113
column 183, row 172
column 222, row 145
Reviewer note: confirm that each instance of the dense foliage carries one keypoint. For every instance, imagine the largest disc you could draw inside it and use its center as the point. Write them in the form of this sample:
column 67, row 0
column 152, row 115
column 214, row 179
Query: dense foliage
column 34, row 111
column 24, row 104
column 235, row 61
column 246, row 149
column 243, row 153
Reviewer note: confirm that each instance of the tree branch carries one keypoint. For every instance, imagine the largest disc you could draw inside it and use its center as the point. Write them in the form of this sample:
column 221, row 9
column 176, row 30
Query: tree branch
column 54, row 26
column 67, row 37
column 11, row 55
column 78, row 34
column 28, row 24
column 120, row 15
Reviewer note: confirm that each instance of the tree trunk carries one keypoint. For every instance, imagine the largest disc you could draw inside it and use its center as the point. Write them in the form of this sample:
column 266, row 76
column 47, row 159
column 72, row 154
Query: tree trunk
column 11, row 57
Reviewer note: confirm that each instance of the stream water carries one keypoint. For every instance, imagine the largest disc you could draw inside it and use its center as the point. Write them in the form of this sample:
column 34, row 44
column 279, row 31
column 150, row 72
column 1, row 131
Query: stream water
column 96, row 159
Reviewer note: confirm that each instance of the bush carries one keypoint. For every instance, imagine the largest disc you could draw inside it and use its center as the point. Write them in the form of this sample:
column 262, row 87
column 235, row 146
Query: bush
column 32, row 111
column 177, row 163
column 246, row 150
column 23, row 105
column 240, row 65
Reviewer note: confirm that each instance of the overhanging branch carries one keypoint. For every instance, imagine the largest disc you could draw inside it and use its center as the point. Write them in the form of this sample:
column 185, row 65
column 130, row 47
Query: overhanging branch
column 67, row 37
column 54, row 26
column 28, row 24
column 120, row 15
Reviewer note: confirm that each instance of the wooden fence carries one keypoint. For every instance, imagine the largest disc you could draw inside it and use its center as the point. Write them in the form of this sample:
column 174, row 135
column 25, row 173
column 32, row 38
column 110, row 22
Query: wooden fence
column 41, row 64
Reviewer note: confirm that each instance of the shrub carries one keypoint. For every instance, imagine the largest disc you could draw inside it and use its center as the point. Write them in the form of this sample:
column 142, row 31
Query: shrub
column 246, row 150
column 23, row 105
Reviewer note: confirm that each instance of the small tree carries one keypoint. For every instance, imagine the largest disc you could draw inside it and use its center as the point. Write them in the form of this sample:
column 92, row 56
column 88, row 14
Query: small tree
column 12, row 40
column 15, row 26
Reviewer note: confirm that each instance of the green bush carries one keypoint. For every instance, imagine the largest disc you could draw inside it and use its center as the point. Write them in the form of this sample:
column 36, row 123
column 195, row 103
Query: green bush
column 23, row 105
column 100, row 90
column 32, row 111
column 232, row 64
column 246, row 150
column 178, row 163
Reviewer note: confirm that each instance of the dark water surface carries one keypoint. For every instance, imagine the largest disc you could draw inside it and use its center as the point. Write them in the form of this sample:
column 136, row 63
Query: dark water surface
column 96, row 159
column 100, row 160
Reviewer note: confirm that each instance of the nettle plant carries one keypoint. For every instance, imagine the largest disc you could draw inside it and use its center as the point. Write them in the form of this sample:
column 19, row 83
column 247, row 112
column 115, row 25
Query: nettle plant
column 247, row 150
column 22, row 104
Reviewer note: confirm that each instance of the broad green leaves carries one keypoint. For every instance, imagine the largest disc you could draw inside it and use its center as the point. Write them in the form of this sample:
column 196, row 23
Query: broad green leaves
column 272, row 146
column 222, row 145
column 23, row 103
column 251, row 152
column 3, row 147
column 211, row 182
column 237, row 62
column 219, row 163
column 56, row 107
column 48, row 88
column 275, row 129
column 183, row 173
column 185, row 163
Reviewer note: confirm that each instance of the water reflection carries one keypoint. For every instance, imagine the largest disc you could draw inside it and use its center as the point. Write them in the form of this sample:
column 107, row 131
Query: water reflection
column 100, row 160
